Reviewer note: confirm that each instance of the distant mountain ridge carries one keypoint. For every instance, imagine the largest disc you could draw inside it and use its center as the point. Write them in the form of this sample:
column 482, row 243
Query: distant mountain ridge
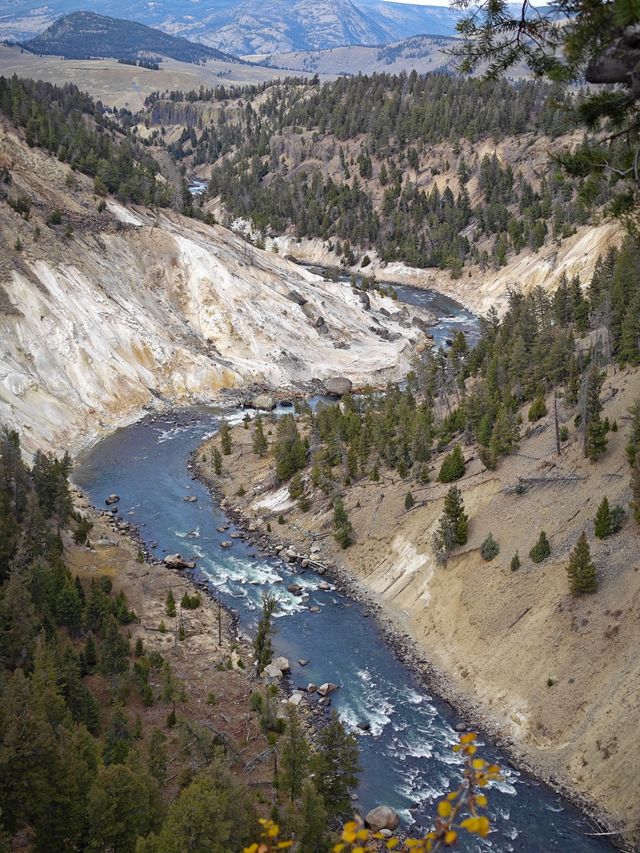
column 83, row 35
column 251, row 26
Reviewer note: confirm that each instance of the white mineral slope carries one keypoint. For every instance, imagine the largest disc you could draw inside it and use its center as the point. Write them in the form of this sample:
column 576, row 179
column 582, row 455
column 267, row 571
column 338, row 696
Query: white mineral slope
column 476, row 289
column 164, row 307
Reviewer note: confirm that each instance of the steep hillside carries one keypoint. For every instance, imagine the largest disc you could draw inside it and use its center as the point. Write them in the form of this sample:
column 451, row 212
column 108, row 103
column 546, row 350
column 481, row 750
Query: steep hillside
column 556, row 676
column 85, row 35
column 105, row 311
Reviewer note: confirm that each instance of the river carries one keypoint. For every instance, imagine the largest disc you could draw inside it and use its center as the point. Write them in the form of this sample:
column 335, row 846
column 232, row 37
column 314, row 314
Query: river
column 407, row 757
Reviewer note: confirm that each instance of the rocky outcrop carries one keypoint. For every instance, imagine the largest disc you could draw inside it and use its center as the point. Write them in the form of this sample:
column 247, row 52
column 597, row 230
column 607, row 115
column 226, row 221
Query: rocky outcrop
column 382, row 817
column 338, row 386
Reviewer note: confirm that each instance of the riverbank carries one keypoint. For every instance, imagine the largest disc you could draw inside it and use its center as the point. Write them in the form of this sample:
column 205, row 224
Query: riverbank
column 550, row 677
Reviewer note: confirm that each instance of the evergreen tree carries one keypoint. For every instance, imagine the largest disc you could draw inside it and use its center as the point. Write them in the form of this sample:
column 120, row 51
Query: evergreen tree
column 409, row 501
column 170, row 606
column 515, row 562
column 217, row 462
column 312, row 824
column 262, row 647
column 489, row 548
column 226, row 442
column 452, row 466
column 602, row 520
column 114, row 649
column 453, row 526
column 342, row 529
column 595, row 431
column 336, row 765
column 505, row 435
column 260, row 443
column 541, row 550
column 582, row 572
column 123, row 804
column 294, row 758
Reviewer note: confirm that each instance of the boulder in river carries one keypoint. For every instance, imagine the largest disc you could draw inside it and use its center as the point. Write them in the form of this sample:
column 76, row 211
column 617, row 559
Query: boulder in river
column 282, row 663
column 338, row 386
column 382, row 817
column 327, row 688
column 112, row 499
column 264, row 401
column 226, row 543
column 177, row 561
column 190, row 499
column 303, row 661
column 294, row 589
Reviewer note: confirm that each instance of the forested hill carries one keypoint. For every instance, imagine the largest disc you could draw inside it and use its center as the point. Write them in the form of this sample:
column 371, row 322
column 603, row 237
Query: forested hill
column 437, row 171
column 84, row 35
column 77, row 130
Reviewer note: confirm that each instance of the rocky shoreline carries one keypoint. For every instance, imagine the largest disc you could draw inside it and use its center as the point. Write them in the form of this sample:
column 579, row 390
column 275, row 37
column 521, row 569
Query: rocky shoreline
column 469, row 715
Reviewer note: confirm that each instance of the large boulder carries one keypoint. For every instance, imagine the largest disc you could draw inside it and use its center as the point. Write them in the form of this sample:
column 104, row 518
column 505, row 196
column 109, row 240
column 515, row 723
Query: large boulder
column 264, row 401
column 112, row 499
column 327, row 688
column 382, row 817
column 177, row 561
column 338, row 386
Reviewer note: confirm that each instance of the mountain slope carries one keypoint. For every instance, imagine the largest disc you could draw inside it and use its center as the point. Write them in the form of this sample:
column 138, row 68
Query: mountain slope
column 421, row 53
column 250, row 26
column 83, row 35
column 133, row 305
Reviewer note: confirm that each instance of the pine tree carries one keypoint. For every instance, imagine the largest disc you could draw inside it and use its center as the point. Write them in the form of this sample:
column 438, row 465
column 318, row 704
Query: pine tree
column 541, row 550
column 294, row 758
column 217, row 462
column 602, row 520
column 595, row 432
column 342, row 529
column 336, row 765
column 170, row 606
column 582, row 572
column 409, row 501
column 312, row 825
column 452, row 466
column 515, row 562
column 226, row 442
column 260, row 443
column 489, row 548
column 453, row 527
column 296, row 486
column 262, row 647
column 505, row 435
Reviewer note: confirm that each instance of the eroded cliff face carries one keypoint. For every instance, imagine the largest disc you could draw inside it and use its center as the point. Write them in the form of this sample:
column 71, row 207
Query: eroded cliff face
column 138, row 305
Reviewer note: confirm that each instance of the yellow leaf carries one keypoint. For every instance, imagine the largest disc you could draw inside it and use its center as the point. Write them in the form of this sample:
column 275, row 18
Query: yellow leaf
column 484, row 827
column 282, row 845
column 469, row 737
column 452, row 795
column 444, row 809
column 350, row 826
column 470, row 749
column 349, row 836
column 481, row 800
column 273, row 830
column 391, row 843
column 470, row 824
column 251, row 848
column 362, row 834
column 450, row 837
column 479, row 764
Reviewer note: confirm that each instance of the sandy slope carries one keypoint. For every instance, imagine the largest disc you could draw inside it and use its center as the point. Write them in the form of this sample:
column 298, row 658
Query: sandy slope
column 499, row 636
